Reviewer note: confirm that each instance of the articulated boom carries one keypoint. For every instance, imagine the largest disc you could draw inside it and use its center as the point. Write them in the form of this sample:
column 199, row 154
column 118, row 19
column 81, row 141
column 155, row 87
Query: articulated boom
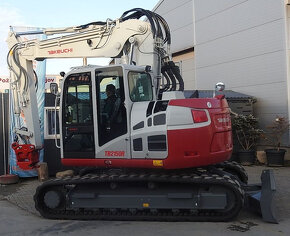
column 135, row 41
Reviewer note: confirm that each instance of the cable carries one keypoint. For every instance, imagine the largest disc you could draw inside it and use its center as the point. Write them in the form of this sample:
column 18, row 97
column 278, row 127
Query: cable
column 92, row 23
column 36, row 81
column 22, row 70
column 9, row 64
column 109, row 35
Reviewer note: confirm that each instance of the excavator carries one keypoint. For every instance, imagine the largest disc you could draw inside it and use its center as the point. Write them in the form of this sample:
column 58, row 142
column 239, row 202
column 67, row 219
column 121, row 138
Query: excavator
column 153, row 154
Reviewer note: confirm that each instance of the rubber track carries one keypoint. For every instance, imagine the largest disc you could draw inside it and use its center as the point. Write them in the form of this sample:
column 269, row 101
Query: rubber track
column 199, row 177
column 236, row 168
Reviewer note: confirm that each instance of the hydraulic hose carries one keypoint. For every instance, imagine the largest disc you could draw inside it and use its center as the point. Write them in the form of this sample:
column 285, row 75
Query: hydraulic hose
column 175, row 70
column 171, row 77
column 167, row 85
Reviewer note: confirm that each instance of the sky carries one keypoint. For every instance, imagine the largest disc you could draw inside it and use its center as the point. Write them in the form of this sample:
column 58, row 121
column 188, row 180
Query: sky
column 60, row 13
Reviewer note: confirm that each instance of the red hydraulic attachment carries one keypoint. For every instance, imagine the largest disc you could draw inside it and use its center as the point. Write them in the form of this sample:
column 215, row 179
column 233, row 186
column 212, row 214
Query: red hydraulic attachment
column 27, row 156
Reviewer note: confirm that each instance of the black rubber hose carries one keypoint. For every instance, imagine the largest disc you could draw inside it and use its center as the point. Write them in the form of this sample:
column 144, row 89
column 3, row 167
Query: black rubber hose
column 8, row 62
column 157, row 22
column 92, row 23
column 138, row 13
column 167, row 85
column 21, row 69
column 166, row 28
column 171, row 76
column 176, row 71
column 36, row 80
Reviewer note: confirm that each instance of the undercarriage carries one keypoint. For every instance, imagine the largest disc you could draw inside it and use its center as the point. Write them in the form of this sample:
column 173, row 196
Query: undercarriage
column 201, row 194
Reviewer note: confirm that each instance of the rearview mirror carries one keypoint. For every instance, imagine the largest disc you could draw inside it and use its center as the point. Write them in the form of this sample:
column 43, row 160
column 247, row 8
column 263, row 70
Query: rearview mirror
column 54, row 88
column 220, row 86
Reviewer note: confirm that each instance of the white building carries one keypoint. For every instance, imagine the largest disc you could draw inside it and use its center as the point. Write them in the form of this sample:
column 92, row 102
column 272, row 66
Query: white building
column 179, row 16
column 244, row 43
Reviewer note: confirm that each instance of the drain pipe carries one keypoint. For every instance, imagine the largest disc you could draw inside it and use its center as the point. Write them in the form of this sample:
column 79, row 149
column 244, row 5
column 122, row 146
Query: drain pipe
column 4, row 138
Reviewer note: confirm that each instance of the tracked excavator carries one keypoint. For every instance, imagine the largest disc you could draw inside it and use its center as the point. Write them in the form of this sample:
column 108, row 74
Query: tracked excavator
column 153, row 154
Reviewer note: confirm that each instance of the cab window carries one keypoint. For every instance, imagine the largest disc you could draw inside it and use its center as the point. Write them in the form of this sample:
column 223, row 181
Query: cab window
column 112, row 118
column 140, row 86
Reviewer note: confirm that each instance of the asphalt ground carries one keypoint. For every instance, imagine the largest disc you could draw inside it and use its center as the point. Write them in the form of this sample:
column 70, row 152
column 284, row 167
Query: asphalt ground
column 19, row 217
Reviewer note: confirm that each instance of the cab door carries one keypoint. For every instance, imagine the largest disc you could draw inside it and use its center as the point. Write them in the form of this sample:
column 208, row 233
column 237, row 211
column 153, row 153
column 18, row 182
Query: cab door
column 77, row 125
column 113, row 137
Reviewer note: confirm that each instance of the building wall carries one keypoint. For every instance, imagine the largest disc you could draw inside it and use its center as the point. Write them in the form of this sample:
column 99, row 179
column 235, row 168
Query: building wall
column 187, row 68
column 179, row 16
column 243, row 43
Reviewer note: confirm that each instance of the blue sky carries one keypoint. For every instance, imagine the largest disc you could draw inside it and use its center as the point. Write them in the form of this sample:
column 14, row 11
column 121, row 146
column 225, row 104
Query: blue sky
column 59, row 13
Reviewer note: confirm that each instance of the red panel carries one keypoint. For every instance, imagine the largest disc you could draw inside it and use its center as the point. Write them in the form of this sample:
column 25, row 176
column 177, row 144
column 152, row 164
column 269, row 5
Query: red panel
column 192, row 148
column 200, row 103
column 131, row 163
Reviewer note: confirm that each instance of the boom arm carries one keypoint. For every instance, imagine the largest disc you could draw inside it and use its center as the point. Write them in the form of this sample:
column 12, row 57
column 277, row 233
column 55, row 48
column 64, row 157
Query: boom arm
column 100, row 41
column 135, row 41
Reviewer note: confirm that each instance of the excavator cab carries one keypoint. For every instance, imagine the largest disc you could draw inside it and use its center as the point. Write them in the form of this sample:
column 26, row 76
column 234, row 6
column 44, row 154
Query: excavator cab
column 88, row 128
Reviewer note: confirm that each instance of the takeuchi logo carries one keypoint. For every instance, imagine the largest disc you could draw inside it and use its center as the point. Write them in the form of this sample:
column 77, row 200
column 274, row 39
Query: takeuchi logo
column 60, row 51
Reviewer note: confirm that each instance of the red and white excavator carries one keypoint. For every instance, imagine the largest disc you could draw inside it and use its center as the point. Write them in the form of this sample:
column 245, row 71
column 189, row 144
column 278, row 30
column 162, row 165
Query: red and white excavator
column 149, row 155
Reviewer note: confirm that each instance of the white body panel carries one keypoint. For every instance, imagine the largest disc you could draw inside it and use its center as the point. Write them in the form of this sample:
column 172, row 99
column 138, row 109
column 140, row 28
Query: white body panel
column 172, row 95
column 138, row 114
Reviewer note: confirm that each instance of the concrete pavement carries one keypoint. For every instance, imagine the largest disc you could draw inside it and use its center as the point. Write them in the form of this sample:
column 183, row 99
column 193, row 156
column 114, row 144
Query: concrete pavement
column 16, row 221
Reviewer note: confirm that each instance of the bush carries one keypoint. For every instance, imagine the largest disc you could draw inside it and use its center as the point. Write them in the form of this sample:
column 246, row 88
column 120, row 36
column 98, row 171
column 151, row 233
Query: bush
column 246, row 130
column 277, row 129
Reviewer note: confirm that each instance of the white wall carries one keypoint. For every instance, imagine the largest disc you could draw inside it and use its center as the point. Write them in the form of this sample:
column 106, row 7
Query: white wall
column 243, row 43
column 187, row 68
column 179, row 16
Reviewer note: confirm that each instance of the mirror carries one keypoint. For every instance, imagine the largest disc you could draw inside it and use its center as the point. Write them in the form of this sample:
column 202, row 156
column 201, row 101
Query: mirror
column 54, row 88
column 220, row 86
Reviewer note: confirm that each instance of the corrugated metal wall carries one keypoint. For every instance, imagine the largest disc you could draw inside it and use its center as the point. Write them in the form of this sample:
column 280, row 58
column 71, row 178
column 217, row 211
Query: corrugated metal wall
column 243, row 43
column 4, row 124
column 179, row 16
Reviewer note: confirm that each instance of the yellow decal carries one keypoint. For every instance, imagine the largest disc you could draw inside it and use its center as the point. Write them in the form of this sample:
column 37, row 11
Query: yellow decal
column 145, row 204
column 157, row 163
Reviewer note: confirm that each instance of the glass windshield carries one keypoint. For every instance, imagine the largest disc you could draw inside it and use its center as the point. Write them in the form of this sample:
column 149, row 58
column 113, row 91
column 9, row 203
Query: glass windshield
column 78, row 127
column 140, row 86
column 78, row 104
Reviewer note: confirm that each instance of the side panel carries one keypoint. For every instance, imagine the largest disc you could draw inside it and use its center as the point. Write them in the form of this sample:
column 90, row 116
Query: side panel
column 148, row 131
